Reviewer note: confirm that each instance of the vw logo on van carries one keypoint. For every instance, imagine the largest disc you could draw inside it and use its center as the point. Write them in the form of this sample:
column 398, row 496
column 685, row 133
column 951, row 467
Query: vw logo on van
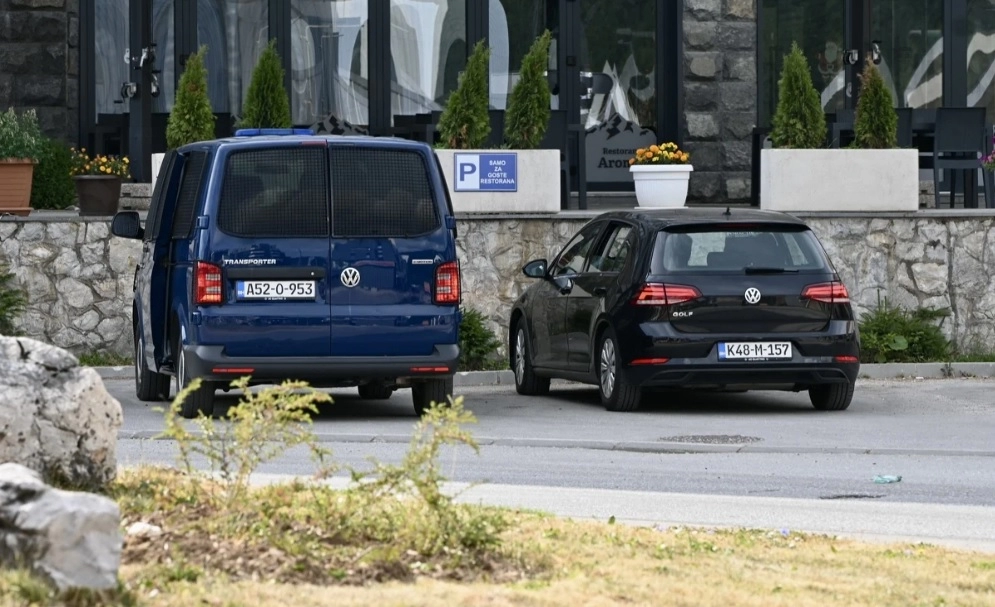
column 350, row 277
column 752, row 295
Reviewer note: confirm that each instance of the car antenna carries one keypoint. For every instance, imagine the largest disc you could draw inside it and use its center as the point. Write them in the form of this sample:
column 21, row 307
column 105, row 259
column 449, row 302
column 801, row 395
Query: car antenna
column 727, row 213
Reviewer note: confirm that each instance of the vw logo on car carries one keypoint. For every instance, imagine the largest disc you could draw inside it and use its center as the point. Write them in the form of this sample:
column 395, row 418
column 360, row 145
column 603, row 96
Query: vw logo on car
column 752, row 295
column 349, row 277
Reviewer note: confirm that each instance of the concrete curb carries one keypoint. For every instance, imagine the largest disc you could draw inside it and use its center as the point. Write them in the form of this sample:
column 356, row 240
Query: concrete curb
column 885, row 371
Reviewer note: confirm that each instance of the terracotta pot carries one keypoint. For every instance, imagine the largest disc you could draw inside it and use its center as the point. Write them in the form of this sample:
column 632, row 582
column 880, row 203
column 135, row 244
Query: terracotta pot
column 15, row 186
column 98, row 194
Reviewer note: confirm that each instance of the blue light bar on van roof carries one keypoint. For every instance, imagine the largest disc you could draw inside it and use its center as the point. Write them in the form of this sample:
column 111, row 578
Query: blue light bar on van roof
column 261, row 132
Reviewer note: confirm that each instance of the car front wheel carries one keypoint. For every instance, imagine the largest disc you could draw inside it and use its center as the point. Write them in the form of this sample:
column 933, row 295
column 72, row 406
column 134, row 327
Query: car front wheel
column 831, row 397
column 149, row 385
column 617, row 393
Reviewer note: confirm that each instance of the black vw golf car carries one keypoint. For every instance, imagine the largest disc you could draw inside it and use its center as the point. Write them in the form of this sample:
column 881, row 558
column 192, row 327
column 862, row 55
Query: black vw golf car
column 691, row 298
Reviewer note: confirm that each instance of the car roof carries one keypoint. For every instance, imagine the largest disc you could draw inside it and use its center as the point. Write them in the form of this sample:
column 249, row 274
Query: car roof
column 263, row 140
column 664, row 218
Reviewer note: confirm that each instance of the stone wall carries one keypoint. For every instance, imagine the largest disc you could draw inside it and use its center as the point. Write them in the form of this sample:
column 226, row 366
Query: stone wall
column 39, row 62
column 79, row 279
column 720, row 96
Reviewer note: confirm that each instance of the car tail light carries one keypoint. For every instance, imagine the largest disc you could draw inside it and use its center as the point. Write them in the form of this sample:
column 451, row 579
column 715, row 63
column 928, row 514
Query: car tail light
column 657, row 294
column 207, row 277
column 649, row 361
column 447, row 287
column 827, row 292
column 844, row 358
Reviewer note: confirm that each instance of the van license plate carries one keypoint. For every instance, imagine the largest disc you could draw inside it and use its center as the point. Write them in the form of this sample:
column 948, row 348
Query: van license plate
column 762, row 350
column 274, row 289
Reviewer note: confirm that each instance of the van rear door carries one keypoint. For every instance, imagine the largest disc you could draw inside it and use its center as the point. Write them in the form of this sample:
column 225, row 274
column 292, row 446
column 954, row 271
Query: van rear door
column 393, row 279
column 269, row 253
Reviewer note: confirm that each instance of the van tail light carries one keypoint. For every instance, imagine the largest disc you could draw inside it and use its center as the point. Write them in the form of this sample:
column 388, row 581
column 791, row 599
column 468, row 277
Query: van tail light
column 447, row 283
column 207, row 277
column 657, row 294
column 827, row 292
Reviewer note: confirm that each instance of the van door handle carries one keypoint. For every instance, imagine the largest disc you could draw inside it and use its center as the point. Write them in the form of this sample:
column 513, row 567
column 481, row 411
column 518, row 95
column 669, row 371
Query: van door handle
column 600, row 291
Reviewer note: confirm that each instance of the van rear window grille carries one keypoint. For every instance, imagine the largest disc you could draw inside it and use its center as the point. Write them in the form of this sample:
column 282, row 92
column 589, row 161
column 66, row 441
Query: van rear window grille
column 381, row 192
column 275, row 192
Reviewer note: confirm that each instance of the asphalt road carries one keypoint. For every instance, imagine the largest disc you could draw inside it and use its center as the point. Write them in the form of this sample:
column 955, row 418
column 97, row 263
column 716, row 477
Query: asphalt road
column 938, row 435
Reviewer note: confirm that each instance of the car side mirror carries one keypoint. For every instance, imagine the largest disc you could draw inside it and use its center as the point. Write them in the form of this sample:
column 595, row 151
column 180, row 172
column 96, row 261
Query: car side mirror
column 127, row 224
column 535, row 268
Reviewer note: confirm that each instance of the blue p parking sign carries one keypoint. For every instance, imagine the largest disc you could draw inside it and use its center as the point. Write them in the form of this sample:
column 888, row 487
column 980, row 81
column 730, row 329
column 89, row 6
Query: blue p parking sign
column 486, row 172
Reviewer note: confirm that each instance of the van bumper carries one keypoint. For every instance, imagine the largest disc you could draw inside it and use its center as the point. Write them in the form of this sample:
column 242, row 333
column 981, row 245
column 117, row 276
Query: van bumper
column 211, row 364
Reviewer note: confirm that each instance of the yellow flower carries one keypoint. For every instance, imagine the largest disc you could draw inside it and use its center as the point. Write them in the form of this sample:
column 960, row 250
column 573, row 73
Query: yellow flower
column 632, row 161
column 654, row 148
column 126, row 160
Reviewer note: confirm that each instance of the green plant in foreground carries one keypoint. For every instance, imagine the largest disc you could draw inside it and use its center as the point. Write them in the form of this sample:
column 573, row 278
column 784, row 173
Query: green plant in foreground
column 104, row 359
column 192, row 118
column 527, row 116
column 465, row 123
column 267, row 104
column 876, row 124
column 799, row 121
column 12, row 301
column 260, row 428
column 51, row 185
column 477, row 343
column 20, row 135
column 893, row 334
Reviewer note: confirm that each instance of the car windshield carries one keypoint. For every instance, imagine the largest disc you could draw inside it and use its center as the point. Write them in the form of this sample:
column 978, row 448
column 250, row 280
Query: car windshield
column 751, row 249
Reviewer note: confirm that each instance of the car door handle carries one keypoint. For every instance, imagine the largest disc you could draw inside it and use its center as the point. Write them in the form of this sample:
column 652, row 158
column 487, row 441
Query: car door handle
column 600, row 291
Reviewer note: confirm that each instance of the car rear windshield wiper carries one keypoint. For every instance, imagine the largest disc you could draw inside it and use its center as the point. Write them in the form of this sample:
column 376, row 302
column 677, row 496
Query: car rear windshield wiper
column 767, row 270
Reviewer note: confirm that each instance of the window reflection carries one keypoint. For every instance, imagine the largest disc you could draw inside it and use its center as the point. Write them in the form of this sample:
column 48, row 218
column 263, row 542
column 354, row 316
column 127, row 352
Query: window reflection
column 981, row 55
column 330, row 71
column 513, row 25
column 428, row 52
column 817, row 27
column 111, row 69
column 235, row 32
column 164, row 34
column 910, row 35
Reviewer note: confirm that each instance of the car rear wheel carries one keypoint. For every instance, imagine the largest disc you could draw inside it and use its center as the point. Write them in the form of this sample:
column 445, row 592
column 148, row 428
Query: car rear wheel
column 375, row 391
column 149, row 385
column 424, row 393
column 526, row 381
column 617, row 394
column 831, row 397
column 200, row 400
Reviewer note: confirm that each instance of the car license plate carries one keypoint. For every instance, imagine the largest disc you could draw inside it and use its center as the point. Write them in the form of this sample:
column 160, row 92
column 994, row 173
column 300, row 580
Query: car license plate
column 274, row 289
column 761, row 350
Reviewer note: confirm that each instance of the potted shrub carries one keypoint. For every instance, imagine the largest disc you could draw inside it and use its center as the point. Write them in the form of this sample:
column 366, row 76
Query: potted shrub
column 801, row 174
column 661, row 174
column 98, row 182
column 267, row 104
column 20, row 145
column 192, row 119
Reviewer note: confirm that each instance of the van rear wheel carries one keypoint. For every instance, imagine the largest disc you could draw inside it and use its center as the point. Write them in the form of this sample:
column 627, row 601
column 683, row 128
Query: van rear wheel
column 149, row 385
column 424, row 393
column 200, row 400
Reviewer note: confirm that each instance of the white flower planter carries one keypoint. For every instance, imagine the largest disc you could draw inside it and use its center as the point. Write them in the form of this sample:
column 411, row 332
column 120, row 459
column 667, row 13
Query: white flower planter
column 661, row 186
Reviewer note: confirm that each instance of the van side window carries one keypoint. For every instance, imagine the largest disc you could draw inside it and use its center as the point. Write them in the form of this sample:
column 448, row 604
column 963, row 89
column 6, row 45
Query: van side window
column 154, row 218
column 381, row 192
column 186, row 200
column 275, row 192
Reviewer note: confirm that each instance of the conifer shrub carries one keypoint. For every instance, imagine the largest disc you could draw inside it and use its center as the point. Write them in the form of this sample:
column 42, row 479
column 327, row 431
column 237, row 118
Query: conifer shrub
column 527, row 116
column 465, row 123
column 876, row 122
column 267, row 104
column 799, row 121
column 191, row 119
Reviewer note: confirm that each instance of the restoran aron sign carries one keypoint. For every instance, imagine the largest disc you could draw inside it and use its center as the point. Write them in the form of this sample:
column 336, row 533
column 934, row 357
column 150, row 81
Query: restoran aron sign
column 486, row 172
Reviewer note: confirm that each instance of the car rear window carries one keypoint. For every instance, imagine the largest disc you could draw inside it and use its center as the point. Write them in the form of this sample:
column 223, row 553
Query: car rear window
column 381, row 192
column 708, row 249
column 275, row 192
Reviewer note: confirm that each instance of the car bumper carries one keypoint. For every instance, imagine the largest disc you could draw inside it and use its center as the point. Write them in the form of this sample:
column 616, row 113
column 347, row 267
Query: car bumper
column 210, row 363
column 703, row 374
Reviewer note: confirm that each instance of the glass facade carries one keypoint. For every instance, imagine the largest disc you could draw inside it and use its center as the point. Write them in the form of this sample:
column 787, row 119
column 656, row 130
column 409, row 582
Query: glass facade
column 235, row 32
column 330, row 62
column 110, row 68
column 981, row 55
column 428, row 49
column 513, row 25
column 909, row 34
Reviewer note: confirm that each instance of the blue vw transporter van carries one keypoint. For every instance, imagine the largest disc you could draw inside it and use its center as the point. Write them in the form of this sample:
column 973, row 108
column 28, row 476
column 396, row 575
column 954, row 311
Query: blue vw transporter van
column 280, row 255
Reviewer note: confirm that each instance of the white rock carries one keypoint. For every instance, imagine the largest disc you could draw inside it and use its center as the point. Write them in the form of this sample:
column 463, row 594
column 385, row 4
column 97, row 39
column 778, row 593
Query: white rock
column 143, row 529
column 55, row 416
column 70, row 538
